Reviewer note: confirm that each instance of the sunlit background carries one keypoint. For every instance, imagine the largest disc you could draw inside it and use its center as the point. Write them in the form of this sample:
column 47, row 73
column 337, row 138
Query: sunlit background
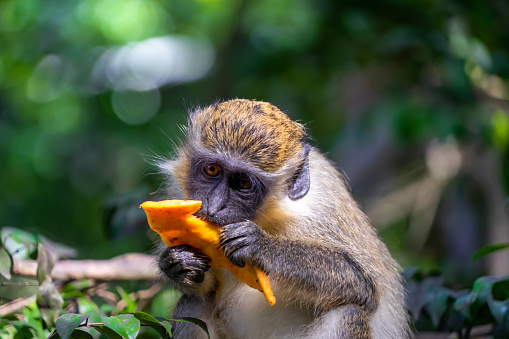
column 409, row 98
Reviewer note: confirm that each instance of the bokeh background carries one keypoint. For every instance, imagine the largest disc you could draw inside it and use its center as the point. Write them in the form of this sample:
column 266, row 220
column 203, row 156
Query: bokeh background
column 408, row 98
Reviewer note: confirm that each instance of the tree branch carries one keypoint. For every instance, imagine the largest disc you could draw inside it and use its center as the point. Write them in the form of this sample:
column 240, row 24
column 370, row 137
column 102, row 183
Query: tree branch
column 15, row 305
column 130, row 266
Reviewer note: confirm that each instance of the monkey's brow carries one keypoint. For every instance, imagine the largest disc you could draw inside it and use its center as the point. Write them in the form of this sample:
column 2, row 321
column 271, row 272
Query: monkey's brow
column 228, row 162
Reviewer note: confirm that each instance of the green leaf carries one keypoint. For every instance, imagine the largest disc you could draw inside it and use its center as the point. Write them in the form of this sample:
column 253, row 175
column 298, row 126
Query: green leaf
column 24, row 328
column 488, row 249
column 67, row 323
column 49, row 302
column 15, row 239
column 462, row 305
column 164, row 302
column 108, row 309
column 146, row 318
column 482, row 286
column 437, row 305
column 49, row 297
column 18, row 235
column 499, row 309
column 126, row 325
column 27, row 332
column 107, row 332
column 78, row 285
column 130, row 303
column 501, row 329
column 195, row 321
column 500, row 289
column 163, row 326
column 88, row 306
column 49, row 317
column 32, row 318
column 5, row 263
column 480, row 291
column 422, row 292
column 470, row 304
column 500, row 129
column 8, row 332
column 498, row 300
column 53, row 335
column 78, row 334
column 96, row 322
column 45, row 262
column 167, row 327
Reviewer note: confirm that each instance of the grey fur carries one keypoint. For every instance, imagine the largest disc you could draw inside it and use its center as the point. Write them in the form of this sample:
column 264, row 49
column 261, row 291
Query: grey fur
column 331, row 274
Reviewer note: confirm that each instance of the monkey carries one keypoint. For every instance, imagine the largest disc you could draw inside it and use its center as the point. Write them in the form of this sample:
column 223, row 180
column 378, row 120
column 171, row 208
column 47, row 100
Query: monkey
column 282, row 206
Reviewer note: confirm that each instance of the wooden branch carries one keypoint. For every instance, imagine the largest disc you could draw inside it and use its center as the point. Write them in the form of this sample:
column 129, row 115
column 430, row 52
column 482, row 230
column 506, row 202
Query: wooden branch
column 15, row 305
column 130, row 266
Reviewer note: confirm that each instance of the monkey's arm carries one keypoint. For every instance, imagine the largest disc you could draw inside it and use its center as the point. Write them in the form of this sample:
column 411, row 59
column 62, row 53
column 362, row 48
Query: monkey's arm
column 327, row 276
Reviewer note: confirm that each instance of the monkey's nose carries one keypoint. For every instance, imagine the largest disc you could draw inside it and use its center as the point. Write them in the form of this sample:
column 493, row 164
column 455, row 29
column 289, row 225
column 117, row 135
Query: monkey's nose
column 214, row 206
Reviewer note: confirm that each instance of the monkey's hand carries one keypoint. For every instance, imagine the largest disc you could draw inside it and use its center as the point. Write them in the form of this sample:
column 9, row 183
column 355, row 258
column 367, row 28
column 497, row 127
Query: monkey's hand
column 184, row 264
column 241, row 241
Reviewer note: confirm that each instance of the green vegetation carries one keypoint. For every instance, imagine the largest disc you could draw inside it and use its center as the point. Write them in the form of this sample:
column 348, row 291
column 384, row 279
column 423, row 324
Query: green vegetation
column 49, row 309
column 85, row 308
column 409, row 98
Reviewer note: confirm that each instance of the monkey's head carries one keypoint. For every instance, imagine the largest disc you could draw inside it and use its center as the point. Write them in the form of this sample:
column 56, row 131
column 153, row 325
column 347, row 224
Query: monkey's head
column 235, row 152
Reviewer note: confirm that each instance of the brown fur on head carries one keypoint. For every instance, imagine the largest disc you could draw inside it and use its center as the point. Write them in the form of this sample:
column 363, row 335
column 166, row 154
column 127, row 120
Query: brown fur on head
column 254, row 131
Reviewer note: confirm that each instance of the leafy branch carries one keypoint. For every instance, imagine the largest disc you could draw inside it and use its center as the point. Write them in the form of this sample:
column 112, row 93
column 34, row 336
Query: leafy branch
column 116, row 327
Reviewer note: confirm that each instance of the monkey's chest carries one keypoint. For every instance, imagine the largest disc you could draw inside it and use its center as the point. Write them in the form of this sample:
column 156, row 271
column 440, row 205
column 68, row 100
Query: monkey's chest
column 243, row 312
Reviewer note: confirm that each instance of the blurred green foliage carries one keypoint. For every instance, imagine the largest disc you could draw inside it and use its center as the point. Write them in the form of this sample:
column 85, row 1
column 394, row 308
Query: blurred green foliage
column 90, row 89
column 50, row 308
column 44, row 308
column 434, row 307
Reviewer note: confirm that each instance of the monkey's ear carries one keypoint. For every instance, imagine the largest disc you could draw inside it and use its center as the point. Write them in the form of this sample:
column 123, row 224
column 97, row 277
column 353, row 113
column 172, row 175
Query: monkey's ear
column 299, row 185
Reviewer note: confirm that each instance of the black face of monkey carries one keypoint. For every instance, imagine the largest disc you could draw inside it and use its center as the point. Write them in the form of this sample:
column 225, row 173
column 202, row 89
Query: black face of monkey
column 230, row 191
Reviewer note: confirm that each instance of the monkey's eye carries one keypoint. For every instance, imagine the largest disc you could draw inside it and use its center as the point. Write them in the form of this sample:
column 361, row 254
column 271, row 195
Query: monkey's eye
column 212, row 169
column 243, row 181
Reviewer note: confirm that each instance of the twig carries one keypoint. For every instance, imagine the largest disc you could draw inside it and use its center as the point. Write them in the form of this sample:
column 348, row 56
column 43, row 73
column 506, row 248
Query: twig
column 15, row 305
column 18, row 283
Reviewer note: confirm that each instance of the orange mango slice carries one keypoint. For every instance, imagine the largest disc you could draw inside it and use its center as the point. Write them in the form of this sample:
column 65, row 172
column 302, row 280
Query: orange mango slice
column 176, row 225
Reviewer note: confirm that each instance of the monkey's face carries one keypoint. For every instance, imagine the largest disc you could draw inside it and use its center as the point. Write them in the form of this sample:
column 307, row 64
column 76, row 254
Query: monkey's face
column 230, row 190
